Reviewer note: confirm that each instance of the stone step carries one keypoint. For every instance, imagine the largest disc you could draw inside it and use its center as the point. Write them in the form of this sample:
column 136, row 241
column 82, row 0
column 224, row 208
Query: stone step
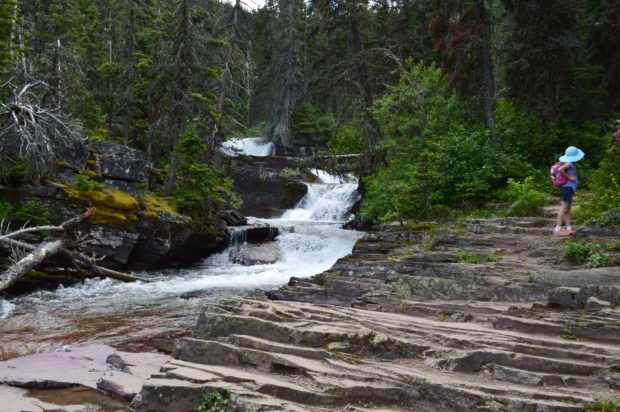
column 504, row 373
column 246, row 341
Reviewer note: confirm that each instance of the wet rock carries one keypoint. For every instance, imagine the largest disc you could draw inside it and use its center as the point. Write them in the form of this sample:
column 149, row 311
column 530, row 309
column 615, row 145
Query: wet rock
column 263, row 187
column 82, row 365
column 251, row 254
column 232, row 217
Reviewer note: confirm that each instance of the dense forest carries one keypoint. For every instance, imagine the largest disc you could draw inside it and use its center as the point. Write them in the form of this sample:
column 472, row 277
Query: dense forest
column 453, row 103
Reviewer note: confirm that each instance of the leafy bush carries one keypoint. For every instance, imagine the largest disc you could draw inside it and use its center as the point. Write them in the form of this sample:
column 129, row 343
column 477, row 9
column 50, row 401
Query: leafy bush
column 200, row 189
column 467, row 257
column 310, row 120
column 582, row 252
column 33, row 212
column 527, row 199
column 212, row 402
column 605, row 187
column 5, row 210
column 435, row 153
column 603, row 406
column 348, row 139
column 86, row 184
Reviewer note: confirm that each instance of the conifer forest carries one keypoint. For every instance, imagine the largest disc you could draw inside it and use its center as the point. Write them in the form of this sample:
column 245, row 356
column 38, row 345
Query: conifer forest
column 454, row 102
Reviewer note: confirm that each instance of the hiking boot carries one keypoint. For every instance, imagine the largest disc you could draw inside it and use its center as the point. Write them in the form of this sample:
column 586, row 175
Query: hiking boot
column 560, row 233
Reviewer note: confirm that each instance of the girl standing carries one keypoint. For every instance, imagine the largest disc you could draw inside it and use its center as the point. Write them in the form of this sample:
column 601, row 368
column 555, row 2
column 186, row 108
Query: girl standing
column 569, row 171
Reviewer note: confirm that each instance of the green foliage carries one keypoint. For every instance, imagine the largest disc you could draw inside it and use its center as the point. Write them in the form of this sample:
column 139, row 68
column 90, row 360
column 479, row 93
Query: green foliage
column 212, row 402
column 32, row 212
column 436, row 154
column 310, row 120
column 597, row 260
column 287, row 172
column 5, row 210
column 569, row 334
column 85, row 183
column 200, row 189
column 526, row 199
column 584, row 252
column 605, row 188
column 493, row 257
column 603, row 406
column 348, row 139
column 467, row 257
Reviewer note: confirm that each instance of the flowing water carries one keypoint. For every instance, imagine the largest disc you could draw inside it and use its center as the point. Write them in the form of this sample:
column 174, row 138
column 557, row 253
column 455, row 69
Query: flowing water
column 138, row 316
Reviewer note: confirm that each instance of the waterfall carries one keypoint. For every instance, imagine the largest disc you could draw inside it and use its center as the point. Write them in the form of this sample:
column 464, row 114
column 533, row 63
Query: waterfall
column 251, row 146
column 107, row 311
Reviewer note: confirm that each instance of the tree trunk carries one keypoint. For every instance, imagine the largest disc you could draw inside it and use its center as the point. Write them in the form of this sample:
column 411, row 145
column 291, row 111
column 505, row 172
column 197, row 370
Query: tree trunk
column 487, row 89
column 19, row 269
column 216, row 134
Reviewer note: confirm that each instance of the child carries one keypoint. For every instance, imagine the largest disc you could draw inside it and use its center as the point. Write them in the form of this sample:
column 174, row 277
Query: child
column 567, row 190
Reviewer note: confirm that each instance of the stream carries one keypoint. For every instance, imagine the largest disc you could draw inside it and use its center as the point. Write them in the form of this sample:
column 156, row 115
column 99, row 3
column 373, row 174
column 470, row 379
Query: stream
column 149, row 317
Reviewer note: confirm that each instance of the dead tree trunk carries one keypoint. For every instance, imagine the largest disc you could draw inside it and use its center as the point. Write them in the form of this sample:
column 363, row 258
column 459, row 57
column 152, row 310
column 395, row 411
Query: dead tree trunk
column 20, row 268
column 38, row 254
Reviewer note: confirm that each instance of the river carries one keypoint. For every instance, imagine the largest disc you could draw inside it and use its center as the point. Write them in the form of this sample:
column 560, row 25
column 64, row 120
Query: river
column 149, row 317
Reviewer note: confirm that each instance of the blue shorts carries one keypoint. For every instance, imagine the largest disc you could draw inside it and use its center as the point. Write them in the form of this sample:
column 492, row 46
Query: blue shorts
column 567, row 194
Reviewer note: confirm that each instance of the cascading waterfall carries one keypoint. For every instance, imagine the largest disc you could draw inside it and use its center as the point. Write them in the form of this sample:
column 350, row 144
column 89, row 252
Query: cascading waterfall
column 251, row 146
column 107, row 311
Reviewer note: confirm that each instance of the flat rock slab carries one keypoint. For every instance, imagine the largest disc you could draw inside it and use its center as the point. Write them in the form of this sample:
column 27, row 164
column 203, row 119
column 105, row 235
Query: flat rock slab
column 91, row 366
column 16, row 400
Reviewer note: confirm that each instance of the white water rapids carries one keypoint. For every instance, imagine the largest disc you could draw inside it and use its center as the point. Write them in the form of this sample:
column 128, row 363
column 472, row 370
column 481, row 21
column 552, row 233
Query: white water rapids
column 113, row 312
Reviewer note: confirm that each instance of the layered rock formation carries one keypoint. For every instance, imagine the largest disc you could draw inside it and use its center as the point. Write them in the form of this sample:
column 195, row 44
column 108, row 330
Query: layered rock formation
column 474, row 315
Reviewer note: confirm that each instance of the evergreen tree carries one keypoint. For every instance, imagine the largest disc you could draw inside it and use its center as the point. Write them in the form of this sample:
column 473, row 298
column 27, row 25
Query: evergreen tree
column 540, row 52
column 285, row 71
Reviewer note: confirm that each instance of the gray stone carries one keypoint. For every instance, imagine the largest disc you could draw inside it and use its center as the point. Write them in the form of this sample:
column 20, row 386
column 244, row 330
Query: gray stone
column 250, row 254
column 120, row 162
column 595, row 303
column 82, row 365
column 566, row 297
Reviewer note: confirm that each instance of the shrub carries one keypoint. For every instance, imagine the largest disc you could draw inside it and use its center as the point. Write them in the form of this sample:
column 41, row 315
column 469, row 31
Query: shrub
column 581, row 252
column 212, row 402
column 5, row 210
column 467, row 257
column 84, row 183
column 33, row 212
column 605, row 187
column 527, row 199
column 603, row 406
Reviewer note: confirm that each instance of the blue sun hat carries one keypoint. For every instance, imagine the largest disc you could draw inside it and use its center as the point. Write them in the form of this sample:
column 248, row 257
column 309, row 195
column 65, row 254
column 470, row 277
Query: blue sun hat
column 572, row 154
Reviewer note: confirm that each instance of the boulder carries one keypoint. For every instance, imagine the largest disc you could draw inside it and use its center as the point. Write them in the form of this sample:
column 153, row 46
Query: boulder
column 120, row 162
column 263, row 187
column 251, row 254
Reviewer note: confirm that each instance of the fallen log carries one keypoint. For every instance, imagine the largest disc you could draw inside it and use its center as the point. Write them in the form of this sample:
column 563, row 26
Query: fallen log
column 16, row 271
column 38, row 254
column 82, row 262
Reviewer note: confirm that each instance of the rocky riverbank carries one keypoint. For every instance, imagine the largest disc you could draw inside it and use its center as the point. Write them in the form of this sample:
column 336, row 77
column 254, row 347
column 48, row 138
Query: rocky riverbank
column 473, row 314
column 465, row 315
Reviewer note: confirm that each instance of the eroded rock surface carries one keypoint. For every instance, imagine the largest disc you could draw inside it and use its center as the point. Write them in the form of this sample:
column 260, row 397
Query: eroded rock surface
column 98, row 367
column 475, row 315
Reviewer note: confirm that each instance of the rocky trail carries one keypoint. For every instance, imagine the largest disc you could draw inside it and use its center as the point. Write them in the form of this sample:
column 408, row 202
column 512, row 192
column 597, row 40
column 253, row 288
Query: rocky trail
column 475, row 314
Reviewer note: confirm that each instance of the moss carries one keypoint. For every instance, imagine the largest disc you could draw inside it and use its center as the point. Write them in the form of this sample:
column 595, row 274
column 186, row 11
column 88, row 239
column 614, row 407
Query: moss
column 106, row 216
column 92, row 174
column 112, row 206
column 423, row 226
column 154, row 203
